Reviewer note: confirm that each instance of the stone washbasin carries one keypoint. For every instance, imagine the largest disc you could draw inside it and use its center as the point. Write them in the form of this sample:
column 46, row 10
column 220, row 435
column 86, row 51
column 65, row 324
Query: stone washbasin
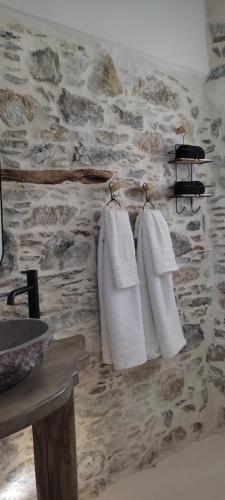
column 23, row 345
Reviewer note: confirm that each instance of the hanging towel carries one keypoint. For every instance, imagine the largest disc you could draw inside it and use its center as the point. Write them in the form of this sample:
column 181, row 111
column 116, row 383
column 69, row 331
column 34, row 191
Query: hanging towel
column 121, row 249
column 164, row 331
column 161, row 244
column 152, row 345
column 122, row 331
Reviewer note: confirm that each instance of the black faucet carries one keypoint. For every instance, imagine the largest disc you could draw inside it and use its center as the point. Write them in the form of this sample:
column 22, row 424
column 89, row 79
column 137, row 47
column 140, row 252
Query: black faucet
column 32, row 290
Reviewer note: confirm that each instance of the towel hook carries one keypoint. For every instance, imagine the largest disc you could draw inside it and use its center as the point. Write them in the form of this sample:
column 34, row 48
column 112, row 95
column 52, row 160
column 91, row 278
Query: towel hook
column 194, row 211
column 148, row 197
column 179, row 211
column 113, row 186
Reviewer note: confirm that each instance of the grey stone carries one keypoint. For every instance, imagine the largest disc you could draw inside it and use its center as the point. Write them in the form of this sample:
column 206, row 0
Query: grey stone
column 215, row 126
column 193, row 225
column 126, row 117
column 157, row 92
column 189, row 408
column 181, row 243
column 167, row 417
column 16, row 109
column 171, row 384
column 150, row 456
column 104, row 79
column 110, row 138
column 197, row 427
column 217, row 31
column 91, row 463
column 101, row 404
column 13, row 146
column 195, row 112
column 219, row 333
column 200, row 301
column 9, row 262
column 194, row 364
column 11, row 56
column 78, row 110
column 14, row 134
column 205, row 395
column 55, row 132
column 146, row 373
column 206, row 141
column 175, row 436
column 150, row 142
column 45, row 66
column 136, row 173
column 217, row 51
column 8, row 45
column 76, row 65
column 8, row 450
column 10, row 162
column 48, row 96
column 15, row 79
column 218, row 72
column 41, row 152
column 64, row 250
column 97, row 390
column 194, row 336
column 215, row 374
column 216, row 353
column 95, row 156
column 8, row 35
column 50, row 215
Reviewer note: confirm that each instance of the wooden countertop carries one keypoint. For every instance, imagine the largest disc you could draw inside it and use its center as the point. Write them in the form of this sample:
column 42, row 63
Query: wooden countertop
column 45, row 389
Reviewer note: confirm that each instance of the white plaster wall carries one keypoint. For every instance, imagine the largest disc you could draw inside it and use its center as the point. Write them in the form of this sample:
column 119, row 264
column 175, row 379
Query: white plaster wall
column 172, row 30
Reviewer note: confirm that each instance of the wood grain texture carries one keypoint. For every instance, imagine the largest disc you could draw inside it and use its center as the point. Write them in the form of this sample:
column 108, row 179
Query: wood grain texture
column 45, row 389
column 55, row 455
column 85, row 176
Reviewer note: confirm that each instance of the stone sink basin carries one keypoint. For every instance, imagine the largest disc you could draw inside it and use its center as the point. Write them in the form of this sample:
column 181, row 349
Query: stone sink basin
column 23, row 345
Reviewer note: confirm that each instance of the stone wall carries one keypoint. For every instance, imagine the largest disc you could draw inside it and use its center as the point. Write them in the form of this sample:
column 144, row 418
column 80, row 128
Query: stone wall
column 75, row 112
column 215, row 88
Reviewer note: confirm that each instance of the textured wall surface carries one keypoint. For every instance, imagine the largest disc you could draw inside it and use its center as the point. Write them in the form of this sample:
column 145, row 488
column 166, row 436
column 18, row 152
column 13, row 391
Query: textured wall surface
column 215, row 91
column 74, row 113
column 145, row 25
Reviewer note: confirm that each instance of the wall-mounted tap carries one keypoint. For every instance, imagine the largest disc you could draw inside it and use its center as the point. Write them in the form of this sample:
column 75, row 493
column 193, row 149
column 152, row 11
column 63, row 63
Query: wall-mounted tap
column 32, row 290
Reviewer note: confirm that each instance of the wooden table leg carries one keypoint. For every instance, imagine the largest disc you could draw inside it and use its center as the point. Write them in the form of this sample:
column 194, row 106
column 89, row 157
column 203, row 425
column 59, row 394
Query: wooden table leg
column 55, row 455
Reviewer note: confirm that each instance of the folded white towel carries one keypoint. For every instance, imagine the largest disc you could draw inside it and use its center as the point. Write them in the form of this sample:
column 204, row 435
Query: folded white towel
column 159, row 293
column 122, row 331
column 121, row 248
column 161, row 245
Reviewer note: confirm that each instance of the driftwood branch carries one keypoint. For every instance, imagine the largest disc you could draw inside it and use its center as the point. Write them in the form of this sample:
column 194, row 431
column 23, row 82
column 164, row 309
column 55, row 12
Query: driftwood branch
column 85, row 176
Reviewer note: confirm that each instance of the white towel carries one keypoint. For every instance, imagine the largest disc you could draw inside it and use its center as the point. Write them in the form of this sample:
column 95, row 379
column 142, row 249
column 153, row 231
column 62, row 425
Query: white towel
column 122, row 331
column 161, row 245
column 164, row 331
column 121, row 249
column 151, row 341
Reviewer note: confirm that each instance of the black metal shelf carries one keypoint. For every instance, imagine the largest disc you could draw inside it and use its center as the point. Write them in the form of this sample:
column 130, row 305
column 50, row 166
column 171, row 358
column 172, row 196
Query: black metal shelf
column 192, row 196
column 190, row 161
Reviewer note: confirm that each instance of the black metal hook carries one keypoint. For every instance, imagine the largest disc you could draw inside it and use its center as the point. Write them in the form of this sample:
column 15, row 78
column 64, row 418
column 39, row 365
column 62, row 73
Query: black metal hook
column 148, row 197
column 179, row 211
column 194, row 211
column 113, row 196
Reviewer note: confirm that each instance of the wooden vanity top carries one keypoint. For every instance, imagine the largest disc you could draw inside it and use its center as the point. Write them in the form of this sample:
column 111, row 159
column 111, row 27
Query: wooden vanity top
column 45, row 389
